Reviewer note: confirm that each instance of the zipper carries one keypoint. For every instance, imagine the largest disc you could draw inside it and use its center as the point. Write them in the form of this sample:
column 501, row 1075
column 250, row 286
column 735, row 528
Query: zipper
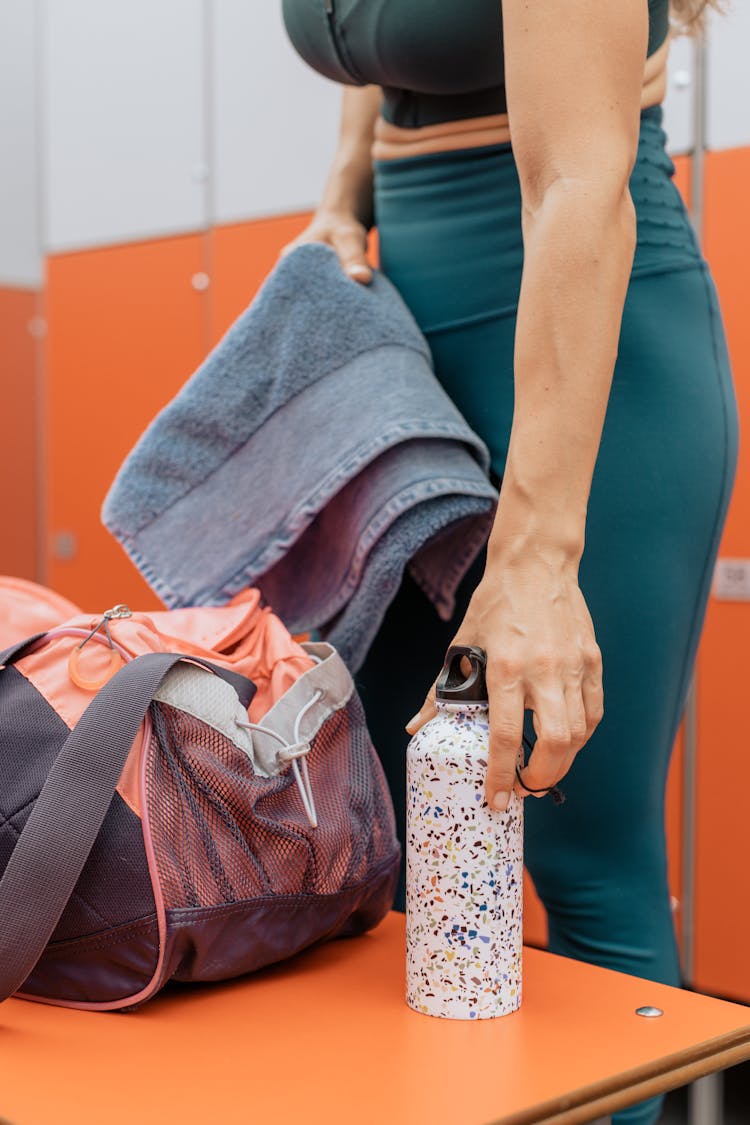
column 337, row 41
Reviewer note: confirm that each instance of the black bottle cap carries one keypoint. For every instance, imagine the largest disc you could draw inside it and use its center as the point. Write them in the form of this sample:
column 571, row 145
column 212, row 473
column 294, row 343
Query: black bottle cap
column 455, row 687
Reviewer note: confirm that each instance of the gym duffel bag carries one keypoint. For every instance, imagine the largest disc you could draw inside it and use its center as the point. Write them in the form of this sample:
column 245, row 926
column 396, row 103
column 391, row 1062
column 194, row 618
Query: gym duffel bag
column 164, row 817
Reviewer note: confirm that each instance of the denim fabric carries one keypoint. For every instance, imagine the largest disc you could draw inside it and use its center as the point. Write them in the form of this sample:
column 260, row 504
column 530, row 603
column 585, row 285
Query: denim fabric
column 313, row 454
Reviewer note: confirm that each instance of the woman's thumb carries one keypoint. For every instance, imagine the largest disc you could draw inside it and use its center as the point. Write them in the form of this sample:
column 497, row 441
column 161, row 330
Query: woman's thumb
column 427, row 711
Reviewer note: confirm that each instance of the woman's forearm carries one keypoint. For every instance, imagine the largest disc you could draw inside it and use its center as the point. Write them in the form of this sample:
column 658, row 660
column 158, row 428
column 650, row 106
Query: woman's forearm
column 344, row 215
column 578, row 252
column 349, row 184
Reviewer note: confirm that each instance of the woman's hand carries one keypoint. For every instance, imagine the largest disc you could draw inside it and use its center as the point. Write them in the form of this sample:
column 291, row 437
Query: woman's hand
column 345, row 233
column 530, row 617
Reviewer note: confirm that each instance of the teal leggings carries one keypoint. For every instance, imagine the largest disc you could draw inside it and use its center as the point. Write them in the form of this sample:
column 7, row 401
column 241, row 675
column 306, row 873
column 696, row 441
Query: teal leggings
column 450, row 240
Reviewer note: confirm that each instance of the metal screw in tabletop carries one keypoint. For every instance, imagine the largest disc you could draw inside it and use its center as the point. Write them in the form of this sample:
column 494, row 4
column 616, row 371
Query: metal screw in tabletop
column 649, row 1012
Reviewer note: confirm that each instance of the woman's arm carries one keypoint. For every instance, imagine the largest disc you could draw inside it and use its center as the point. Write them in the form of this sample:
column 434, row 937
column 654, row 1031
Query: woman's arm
column 574, row 71
column 344, row 215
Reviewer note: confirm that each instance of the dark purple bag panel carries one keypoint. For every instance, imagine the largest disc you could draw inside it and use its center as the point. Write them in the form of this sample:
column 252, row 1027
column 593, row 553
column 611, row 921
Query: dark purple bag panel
column 209, row 944
column 115, row 886
column 102, row 968
column 220, row 942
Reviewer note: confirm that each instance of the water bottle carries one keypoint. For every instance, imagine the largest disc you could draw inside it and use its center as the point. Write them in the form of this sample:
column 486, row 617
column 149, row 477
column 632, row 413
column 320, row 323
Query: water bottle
column 464, row 860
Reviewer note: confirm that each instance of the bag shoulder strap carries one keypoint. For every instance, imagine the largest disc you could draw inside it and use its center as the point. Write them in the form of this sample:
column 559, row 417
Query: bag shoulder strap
column 16, row 651
column 63, row 826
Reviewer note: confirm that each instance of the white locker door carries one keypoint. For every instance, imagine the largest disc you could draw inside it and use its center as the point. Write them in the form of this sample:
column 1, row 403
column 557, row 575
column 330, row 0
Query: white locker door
column 274, row 120
column 124, row 120
column 20, row 254
column 679, row 114
column 728, row 78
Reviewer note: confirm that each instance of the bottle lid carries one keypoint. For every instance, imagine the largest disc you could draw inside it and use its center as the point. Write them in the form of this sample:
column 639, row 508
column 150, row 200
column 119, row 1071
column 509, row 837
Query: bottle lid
column 453, row 685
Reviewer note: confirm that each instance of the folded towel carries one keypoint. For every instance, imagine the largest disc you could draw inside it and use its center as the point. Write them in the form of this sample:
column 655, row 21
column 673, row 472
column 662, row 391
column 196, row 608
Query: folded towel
column 314, row 455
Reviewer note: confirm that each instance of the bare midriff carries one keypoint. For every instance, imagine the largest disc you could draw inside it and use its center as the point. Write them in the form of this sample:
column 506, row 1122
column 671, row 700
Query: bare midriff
column 393, row 141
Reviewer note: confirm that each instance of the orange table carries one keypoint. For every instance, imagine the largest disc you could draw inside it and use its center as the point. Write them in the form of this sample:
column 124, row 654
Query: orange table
column 328, row 1038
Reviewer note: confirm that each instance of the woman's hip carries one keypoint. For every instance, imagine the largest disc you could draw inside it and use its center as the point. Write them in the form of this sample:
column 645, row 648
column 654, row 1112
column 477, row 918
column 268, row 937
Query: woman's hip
column 671, row 416
column 449, row 226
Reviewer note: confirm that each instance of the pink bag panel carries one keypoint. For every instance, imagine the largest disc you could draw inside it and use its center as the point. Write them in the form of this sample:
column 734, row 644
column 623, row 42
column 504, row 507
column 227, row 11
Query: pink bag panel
column 27, row 608
column 218, row 628
column 241, row 636
column 244, row 638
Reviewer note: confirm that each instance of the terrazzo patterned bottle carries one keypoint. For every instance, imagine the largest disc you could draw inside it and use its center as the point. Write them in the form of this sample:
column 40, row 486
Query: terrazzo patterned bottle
column 464, row 860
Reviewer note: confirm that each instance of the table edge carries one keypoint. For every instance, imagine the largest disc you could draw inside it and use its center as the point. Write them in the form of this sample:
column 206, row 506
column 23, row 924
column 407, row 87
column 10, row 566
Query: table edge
column 631, row 1086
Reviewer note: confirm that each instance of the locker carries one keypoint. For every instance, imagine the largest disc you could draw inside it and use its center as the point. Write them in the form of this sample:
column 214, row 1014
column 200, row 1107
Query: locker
column 274, row 121
column 728, row 78
column 127, row 326
column 20, row 252
column 20, row 404
column 124, row 104
column 722, row 919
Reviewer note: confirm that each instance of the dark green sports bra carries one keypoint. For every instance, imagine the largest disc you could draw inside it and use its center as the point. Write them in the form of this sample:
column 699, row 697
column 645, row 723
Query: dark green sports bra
column 436, row 60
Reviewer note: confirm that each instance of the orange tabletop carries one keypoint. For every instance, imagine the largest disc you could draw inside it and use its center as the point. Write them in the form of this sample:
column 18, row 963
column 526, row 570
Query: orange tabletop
column 328, row 1038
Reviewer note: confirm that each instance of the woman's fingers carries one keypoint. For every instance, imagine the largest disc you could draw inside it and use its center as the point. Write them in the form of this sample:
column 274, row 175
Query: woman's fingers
column 592, row 690
column 506, row 734
column 427, row 711
column 554, row 749
column 564, row 720
column 349, row 240
column 288, row 248
column 351, row 247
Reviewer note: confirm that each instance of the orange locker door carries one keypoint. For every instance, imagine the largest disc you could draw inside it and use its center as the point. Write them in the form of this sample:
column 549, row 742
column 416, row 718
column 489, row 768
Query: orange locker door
column 126, row 326
column 18, row 393
column 242, row 255
column 722, row 893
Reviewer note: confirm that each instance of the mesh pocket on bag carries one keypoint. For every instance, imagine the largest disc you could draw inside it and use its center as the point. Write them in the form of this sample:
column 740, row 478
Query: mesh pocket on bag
column 222, row 834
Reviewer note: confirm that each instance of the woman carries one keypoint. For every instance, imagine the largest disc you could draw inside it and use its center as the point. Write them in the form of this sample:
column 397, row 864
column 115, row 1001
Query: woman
column 512, row 158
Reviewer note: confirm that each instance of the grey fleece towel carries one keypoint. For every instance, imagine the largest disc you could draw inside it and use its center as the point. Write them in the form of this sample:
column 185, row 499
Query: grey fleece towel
column 313, row 454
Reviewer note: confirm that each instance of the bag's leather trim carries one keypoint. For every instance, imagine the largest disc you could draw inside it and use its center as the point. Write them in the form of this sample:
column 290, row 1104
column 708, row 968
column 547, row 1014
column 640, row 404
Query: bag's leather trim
column 267, row 930
column 77, row 965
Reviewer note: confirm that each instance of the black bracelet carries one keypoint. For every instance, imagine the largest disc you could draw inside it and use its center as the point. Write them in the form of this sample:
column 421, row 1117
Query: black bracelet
column 554, row 791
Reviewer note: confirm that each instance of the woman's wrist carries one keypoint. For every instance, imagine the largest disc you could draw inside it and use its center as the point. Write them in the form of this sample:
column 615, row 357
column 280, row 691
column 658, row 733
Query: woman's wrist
column 525, row 531
column 524, row 552
column 544, row 495
column 349, row 189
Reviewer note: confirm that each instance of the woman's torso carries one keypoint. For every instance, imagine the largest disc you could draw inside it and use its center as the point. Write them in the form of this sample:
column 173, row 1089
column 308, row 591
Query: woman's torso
column 437, row 61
